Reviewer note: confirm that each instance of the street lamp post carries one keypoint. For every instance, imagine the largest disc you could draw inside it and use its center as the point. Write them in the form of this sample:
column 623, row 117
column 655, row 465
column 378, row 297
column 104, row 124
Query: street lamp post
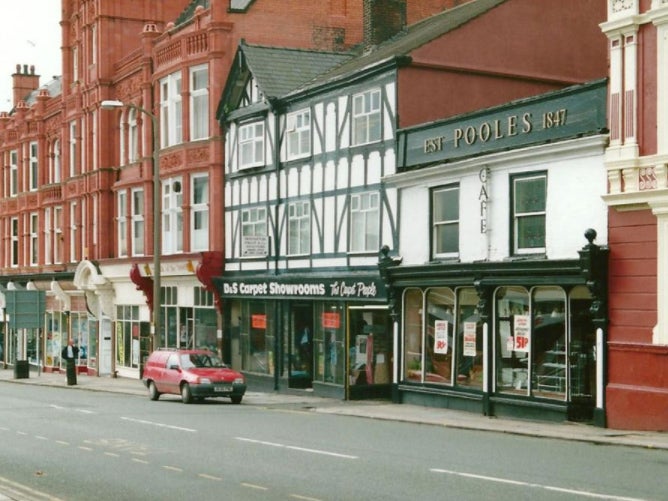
column 157, row 231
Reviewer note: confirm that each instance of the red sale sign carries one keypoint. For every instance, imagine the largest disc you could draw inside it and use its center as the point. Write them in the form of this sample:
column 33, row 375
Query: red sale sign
column 522, row 333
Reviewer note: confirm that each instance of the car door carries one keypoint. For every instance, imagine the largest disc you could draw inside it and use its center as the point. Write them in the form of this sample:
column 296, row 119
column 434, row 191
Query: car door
column 172, row 373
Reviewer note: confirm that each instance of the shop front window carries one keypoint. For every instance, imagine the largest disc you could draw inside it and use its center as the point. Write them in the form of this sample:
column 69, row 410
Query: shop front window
column 205, row 321
column 548, row 337
column 257, row 343
column 412, row 330
column 56, row 333
column 513, row 331
column 439, row 343
column 469, row 341
column 329, row 343
column 80, row 336
column 370, row 341
column 128, row 332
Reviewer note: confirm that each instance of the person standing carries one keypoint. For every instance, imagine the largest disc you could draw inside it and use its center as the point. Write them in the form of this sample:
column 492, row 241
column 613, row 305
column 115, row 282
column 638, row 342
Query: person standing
column 70, row 354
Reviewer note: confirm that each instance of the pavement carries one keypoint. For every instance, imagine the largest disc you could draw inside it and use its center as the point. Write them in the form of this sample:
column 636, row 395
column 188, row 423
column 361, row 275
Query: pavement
column 376, row 410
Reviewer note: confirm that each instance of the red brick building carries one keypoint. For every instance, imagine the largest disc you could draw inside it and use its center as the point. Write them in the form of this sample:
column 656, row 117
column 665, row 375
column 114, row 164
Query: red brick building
column 76, row 215
column 637, row 373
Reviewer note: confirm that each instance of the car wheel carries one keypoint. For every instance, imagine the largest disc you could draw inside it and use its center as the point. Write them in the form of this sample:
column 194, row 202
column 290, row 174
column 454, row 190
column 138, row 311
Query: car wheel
column 153, row 392
column 236, row 399
column 186, row 394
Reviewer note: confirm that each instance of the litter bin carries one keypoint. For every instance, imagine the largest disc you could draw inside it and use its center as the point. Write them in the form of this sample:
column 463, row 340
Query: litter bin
column 71, row 369
column 21, row 369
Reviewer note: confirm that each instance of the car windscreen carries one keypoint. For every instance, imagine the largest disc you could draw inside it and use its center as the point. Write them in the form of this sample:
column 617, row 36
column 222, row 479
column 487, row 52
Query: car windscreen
column 200, row 360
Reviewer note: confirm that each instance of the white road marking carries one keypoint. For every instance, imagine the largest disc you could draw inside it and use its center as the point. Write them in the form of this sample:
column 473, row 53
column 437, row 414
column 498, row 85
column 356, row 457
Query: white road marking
column 295, row 448
column 172, row 468
column 21, row 491
column 159, row 425
column 304, row 498
column 253, row 486
column 137, row 460
column 209, row 477
column 519, row 483
column 61, row 408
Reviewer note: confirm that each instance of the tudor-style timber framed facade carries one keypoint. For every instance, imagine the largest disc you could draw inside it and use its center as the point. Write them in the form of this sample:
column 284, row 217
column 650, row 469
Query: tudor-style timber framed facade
column 306, row 212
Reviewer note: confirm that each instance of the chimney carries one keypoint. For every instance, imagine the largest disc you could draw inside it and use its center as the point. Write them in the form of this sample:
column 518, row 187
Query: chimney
column 382, row 20
column 24, row 82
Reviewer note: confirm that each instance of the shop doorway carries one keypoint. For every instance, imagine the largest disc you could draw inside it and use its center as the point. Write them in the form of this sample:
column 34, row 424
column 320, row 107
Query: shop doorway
column 370, row 353
column 300, row 346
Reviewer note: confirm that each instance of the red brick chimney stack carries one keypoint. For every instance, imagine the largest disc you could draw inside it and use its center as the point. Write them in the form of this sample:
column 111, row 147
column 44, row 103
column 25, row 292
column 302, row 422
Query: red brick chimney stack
column 382, row 20
column 24, row 82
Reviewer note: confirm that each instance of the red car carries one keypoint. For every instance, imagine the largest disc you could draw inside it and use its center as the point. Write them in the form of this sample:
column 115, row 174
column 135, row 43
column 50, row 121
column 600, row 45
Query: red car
column 193, row 374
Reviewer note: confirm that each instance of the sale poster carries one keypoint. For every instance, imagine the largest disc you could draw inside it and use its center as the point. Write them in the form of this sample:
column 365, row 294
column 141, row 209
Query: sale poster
column 469, row 339
column 441, row 337
column 522, row 333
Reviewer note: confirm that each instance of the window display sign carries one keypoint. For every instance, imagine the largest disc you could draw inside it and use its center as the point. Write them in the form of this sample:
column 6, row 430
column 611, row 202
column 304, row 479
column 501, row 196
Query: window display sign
column 331, row 320
column 469, row 339
column 522, row 333
column 441, row 337
column 259, row 321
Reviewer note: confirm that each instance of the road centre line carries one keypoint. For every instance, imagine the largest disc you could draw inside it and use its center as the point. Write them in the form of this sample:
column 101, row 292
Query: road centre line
column 208, row 477
column 159, row 425
column 253, row 486
column 519, row 483
column 295, row 448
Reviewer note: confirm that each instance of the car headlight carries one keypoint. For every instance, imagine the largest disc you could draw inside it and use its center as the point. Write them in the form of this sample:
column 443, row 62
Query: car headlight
column 204, row 380
column 239, row 380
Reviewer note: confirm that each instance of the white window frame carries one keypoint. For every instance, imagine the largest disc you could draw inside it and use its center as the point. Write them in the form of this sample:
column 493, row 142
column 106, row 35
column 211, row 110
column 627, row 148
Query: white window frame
column 34, row 165
column 365, row 222
column 138, row 203
column 133, row 136
column 14, row 242
column 199, row 212
column 251, row 145
column 34, row 239
column 199, row 102
column 13, row 173
column 57, row 235
column 73, row 147
column 48, row 237
column 75, row 63
column 439, row 224
column 517, row 216
column 172, row 215
column 299, row 228
column 171, row 110
column 122, row 223
column 254, row 222
column 73, row 232
column 298, row 134
column 55, row 175
column 366, row 117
